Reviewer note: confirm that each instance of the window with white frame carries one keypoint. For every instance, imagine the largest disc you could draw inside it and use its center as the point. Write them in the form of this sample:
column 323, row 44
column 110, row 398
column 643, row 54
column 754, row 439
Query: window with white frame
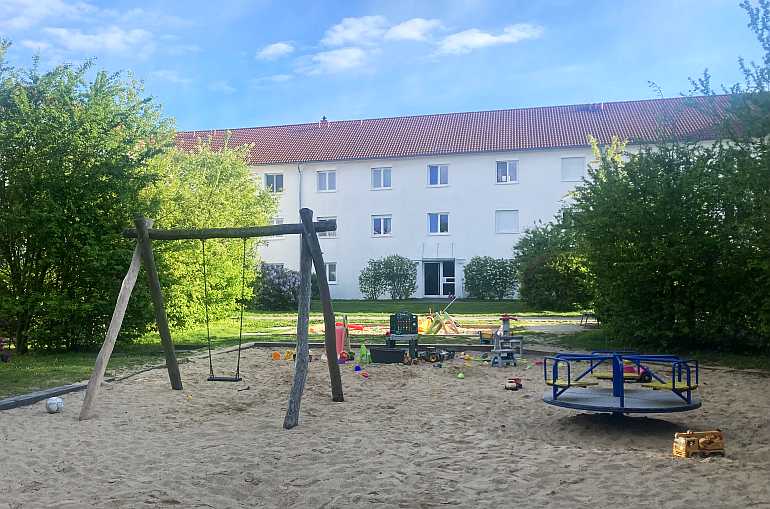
column 438, row 223
column 327, row 181
column 382, row 225
column 331, row 273
column 438, row 174
column 274, row 182
column 277, row 221
column 573, row 169
column 506, row 221
column 507, row 172
column 331, row 234
column 381, row 178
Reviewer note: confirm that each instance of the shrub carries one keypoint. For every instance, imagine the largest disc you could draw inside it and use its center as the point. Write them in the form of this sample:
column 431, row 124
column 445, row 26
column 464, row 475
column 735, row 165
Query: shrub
column 277, row 289
column 550, row 271
column 74, row 150
column 370, row 280
column 400, row 276
column 206, row 187
column 489, row 278
column 394, row 274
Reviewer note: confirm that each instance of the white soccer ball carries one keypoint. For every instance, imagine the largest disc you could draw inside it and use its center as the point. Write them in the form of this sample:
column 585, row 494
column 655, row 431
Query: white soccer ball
column 54, row 405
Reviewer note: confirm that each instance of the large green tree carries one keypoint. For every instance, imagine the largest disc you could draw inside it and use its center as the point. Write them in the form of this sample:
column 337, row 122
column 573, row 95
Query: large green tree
column 206, row 188
column 74, row 149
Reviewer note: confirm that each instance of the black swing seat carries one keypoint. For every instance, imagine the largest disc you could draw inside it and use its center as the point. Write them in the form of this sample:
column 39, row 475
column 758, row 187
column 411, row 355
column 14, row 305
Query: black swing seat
column 213, row 378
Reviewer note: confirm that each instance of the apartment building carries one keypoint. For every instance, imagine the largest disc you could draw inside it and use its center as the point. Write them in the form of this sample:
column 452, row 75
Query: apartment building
column 440, row 189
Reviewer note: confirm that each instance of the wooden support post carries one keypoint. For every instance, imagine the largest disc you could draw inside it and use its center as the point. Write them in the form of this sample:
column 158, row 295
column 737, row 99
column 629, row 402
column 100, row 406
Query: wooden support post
column 330, row 340
column 303, row 320
column 148, row 258
column 97, row 377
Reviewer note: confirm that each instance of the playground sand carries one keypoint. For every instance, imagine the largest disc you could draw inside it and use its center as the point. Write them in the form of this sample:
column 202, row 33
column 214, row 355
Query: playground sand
column 406, row 437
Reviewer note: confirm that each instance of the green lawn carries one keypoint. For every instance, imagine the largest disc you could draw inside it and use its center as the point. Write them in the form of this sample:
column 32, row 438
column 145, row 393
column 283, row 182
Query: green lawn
column 41, row 370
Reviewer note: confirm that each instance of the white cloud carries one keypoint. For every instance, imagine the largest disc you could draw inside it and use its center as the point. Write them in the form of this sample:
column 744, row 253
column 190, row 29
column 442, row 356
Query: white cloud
column 363, row 30
column 274, row 51
column 337, row 60
column 415, row 29
column 37, row 46
column 169, row 75
column 221, row 86
column 275, row 78
column 111, row 39
column 23, row 14
column 468, row 40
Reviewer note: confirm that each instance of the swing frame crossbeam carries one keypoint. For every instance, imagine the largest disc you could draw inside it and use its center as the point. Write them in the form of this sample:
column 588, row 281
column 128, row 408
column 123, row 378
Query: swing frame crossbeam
column 310, row 255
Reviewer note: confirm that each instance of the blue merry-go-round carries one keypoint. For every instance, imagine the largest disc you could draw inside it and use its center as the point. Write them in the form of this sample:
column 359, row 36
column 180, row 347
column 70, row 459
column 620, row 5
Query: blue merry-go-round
column 621, row 382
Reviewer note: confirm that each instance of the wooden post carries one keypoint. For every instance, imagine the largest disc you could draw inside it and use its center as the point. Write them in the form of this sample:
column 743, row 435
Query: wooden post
column 303, row 320
column 97, row 377
column 148, row 258
column 311, row 239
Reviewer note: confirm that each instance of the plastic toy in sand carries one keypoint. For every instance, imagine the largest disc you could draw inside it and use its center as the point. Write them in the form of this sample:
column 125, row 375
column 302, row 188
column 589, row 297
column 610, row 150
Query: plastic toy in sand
column 654, row 384
column 698, row 443
column 513, row 384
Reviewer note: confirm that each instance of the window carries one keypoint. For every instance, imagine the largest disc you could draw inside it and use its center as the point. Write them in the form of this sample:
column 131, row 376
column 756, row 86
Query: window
column 380, row 178
column 327, row 181
column 331, row 273
column 438, row 175
column 274, row 182
column 507, row 172
column 506, row 221
column 438, row 223
column 381, row 226
column 572, row 168
column 328, row 235
column 275, row 221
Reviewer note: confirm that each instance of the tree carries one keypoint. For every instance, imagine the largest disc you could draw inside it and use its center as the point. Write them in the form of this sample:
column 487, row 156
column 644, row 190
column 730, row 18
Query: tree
column 206, row 188
column 552, row 274
column 489, row 278
column 73, row 163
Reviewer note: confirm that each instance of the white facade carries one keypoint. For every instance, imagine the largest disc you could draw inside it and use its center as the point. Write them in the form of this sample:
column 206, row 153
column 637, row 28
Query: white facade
column 482, row 212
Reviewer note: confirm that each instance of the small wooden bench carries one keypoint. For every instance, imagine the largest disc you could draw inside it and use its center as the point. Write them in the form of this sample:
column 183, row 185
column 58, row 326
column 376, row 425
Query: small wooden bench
column 563, row 383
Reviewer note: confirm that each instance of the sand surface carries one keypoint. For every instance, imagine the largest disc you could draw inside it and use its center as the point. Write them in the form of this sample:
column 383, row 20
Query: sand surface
column 409, row 436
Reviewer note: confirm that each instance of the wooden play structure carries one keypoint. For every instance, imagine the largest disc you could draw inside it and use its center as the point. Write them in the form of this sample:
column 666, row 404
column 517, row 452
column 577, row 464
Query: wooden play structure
column 310, row 254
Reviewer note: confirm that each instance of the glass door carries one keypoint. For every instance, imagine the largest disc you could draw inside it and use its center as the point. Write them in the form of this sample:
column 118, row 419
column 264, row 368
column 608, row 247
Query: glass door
column 439, row 278
column 448, row 277
column 432, row 276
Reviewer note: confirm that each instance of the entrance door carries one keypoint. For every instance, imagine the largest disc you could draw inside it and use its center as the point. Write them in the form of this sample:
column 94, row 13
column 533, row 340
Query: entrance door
column 432, row 272
column 439, row 278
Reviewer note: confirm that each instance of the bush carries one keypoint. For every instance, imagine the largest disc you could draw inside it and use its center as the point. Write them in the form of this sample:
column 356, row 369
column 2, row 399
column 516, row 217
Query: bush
column 489, row 278
column 206, row 187
column 400, row 275
column 370, row 280
column 394, row 274
column 550, row 271
column 74, row 153
column 682, row 264
column 277, row 289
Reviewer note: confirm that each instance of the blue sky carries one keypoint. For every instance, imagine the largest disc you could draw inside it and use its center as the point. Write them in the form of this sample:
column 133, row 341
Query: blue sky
column 246, row 63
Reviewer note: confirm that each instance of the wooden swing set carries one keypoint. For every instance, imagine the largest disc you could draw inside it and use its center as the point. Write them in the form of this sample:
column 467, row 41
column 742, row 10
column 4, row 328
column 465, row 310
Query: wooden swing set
column 310, row 255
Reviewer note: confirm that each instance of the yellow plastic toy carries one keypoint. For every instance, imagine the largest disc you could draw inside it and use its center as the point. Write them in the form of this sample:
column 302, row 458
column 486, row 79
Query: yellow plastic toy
column 288, row 355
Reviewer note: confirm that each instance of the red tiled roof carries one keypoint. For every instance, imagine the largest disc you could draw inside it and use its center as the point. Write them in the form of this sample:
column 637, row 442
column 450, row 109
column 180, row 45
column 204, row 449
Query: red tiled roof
column 479, row 131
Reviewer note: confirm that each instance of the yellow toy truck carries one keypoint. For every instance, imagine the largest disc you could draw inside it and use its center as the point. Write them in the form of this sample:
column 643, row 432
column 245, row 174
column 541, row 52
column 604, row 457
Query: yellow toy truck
column 698, row 443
